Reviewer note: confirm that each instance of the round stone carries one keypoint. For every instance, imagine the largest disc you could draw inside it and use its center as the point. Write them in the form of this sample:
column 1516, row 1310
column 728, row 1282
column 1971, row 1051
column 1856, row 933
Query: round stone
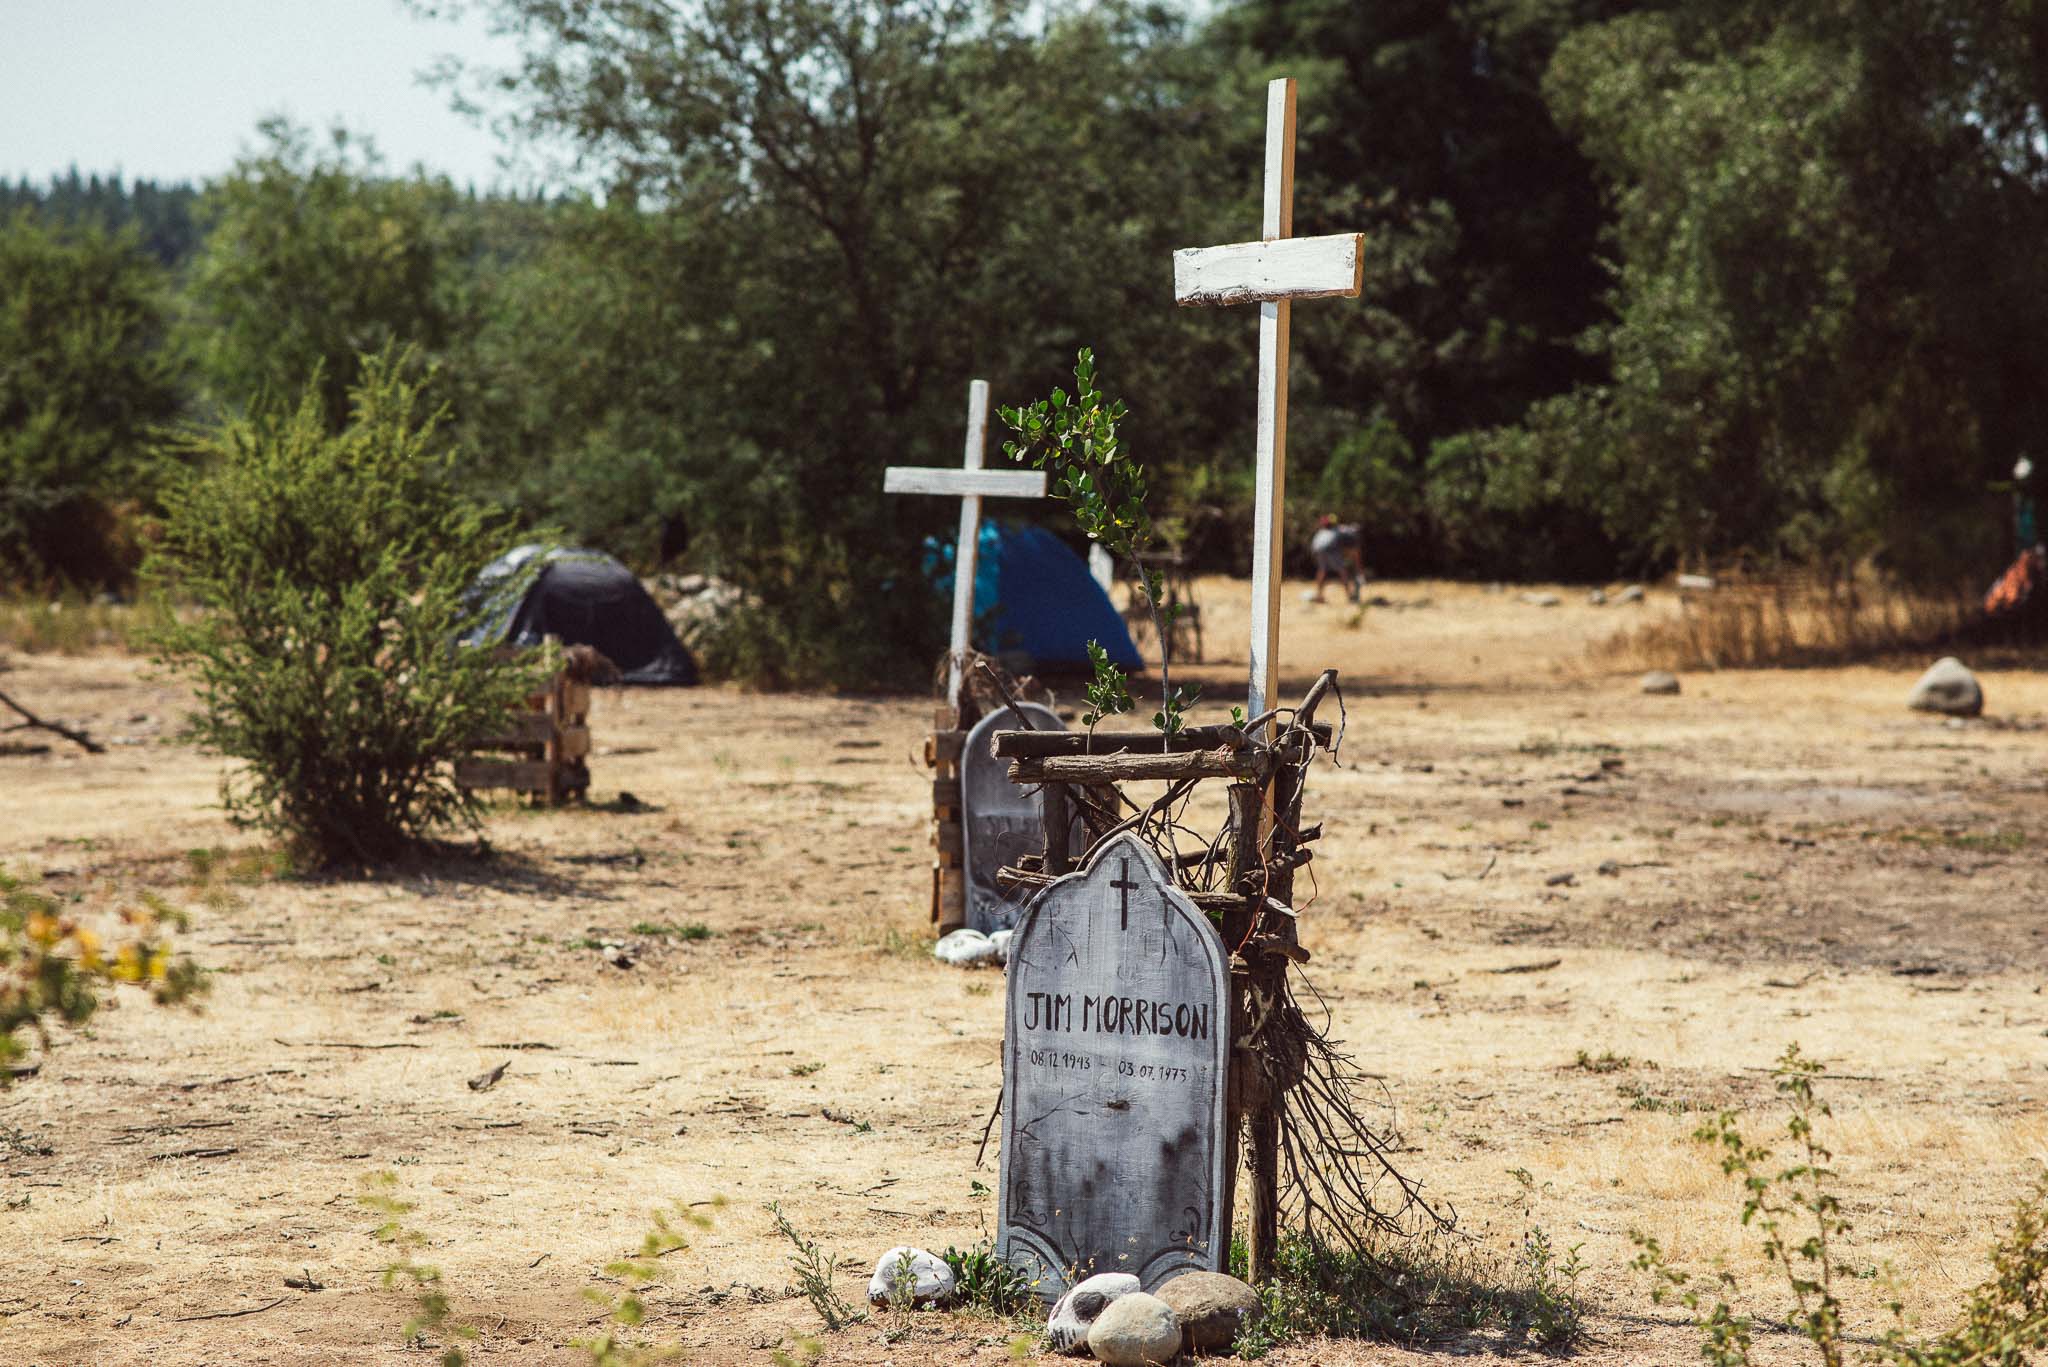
column 1135, row 1331
column 1210, row 1306
column 910, row 1276
column 1948, row 687
column 1067, row 1329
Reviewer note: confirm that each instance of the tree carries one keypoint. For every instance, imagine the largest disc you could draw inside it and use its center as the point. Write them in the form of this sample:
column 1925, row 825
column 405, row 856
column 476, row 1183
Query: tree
column 821, row 219
column 313, row 259
column 1824, row 275
column 332, row 572
column 1423, row 123
column 86, row 388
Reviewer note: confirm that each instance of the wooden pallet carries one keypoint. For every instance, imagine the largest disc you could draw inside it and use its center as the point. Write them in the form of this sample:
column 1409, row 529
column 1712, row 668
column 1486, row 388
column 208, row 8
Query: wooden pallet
column 543, row 749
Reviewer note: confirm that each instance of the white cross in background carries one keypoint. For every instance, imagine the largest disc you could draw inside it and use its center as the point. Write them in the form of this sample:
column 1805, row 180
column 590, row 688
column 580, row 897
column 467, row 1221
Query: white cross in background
column 970, row 484
column 1273, row 272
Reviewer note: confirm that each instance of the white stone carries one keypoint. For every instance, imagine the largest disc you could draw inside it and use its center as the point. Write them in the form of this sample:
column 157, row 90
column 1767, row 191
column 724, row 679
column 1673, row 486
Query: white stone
column 1541, row 600
column 1696, row 583
column 1135, row 1331
column 1001, row 940
column 1597, row 598
column 1632, row 594
column 1660, row 681
column 1067, row 1328
column 965, row 948
column 913, row 1275
column 1948, row 687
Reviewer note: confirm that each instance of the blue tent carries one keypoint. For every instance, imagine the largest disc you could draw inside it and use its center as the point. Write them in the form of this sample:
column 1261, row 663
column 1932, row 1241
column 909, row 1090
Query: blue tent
column 1034, row 596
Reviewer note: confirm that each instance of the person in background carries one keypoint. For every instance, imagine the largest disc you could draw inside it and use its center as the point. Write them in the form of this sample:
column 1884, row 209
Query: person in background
column 1338, row 549
column 2026, row 523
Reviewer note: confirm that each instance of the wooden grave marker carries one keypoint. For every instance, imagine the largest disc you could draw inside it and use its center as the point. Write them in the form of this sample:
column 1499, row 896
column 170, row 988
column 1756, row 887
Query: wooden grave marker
column 1115, row 1071
column 970, row 484
column 1272, row 272
column 1000, row 821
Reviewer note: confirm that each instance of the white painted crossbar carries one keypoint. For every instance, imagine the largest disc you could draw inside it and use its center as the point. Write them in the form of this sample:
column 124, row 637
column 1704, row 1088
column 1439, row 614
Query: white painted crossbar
column 1289, row 268
column 970, row 484
column 925, row 479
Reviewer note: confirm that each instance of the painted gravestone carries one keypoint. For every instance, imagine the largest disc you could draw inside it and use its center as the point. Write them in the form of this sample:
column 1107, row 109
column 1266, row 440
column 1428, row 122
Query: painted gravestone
column 1001, row 819
column 1115, row 1045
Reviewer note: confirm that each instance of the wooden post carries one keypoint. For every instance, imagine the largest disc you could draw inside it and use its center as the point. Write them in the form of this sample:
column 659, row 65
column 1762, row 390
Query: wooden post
column 1270, row 501
column 1262, row 1128
column 1058, row 828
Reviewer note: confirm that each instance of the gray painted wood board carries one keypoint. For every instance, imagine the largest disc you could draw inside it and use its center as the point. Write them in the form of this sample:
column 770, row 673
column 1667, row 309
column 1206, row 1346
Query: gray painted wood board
column 1115, row 1050
column 1000, row 820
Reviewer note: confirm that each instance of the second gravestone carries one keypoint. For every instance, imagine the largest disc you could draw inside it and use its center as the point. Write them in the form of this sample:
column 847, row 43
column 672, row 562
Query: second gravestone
column 1115, row 1049
column 1001, row 819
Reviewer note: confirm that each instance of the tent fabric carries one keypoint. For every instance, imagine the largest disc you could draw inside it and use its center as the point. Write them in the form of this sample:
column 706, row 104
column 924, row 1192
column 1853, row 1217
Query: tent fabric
column 1035, row 597
column 580, row 597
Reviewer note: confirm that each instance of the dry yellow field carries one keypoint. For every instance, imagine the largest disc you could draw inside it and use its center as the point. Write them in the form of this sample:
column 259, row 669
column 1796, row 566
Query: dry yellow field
column 1792, row 856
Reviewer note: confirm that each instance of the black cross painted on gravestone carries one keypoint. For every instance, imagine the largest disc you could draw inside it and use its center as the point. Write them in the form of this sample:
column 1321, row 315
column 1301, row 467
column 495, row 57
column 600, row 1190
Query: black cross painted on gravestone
column 1122, row 882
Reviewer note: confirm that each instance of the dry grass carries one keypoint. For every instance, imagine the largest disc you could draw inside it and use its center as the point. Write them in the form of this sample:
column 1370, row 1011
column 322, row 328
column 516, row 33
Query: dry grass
column 1734, row 826
column 1791, row 619
column 70, row 623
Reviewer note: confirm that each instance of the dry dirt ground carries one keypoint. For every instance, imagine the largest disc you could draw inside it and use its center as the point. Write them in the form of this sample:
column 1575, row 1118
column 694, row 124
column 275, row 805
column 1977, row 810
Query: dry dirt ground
column 1790, row 856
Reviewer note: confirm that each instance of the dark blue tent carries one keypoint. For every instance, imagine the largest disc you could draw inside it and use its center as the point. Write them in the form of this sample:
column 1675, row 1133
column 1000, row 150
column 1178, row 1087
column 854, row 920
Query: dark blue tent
column 1035, row 597
column 580, row 598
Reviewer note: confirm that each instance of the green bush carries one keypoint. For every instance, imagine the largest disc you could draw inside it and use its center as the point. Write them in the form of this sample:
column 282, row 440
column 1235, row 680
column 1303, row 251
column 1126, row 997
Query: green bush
column 331, row 572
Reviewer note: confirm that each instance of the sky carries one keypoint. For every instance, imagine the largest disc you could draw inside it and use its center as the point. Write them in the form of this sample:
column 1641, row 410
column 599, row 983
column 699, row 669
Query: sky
column 173, row 89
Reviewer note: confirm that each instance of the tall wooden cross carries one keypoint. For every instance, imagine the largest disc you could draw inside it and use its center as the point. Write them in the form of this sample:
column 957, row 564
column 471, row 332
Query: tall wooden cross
column 970, row 484
column 1274, row 271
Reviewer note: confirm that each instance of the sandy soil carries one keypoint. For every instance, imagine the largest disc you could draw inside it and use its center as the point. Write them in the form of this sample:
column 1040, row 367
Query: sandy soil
column 1790, row 856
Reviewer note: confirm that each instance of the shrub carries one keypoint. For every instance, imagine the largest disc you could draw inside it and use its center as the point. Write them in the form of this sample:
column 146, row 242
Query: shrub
column 52, row 963
column 331, row 572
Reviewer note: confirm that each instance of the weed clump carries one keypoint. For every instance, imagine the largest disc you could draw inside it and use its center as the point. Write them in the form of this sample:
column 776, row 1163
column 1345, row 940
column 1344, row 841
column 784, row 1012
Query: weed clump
column 1791, row 1205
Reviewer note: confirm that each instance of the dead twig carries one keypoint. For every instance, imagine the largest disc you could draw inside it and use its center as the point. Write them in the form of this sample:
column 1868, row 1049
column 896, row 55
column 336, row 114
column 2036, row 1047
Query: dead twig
column 195, row 1153
column 339, row 1044
column 1491, row 860
column 31, row 721
column 232, row 1314
column 989, row 1128
column 1540, row 966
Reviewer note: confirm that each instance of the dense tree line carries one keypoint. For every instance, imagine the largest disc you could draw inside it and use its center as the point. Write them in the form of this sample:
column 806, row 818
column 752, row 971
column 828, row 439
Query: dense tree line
column 1647, row 283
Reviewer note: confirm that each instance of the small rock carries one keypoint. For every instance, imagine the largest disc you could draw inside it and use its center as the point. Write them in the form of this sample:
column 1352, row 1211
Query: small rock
column 1541, row 600
column 1949, row 687
column 1597, row 598
column 1632, row 594
column 906, row 1274
column 1001, row 940
column 1697, row 583
column 1660, row 681
column 1560, row 880
column 1067, row 1328
column 1135, row 1331
column 1210, row 1306
column 965, row 948
column 1608, row 869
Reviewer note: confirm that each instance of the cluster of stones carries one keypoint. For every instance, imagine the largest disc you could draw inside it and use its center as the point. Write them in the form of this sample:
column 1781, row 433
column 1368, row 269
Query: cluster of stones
column 1110, row 1317
column 969, row 948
